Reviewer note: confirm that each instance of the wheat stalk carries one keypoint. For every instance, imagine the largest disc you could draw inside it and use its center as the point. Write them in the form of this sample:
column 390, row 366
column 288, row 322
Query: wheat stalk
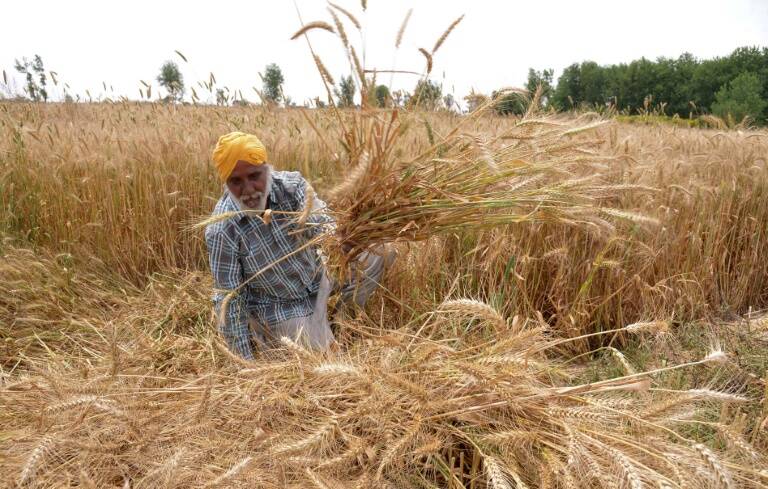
column 714, row 395
column 353, row 178
column 316, row 480
column 318, row 24
column 297, row 349
column 329, row 80
column 428, row 58
column 72, row 403
column 737, row 441
column 332, row 369
column 229, row 475
column 309, row 203
column 318, row 436
column 339, row 28
column 722, row 476
column 395, row 449
column 347, row 13
column 401, row 30
column 497, row 479
column 475, row 308
column 628, row 368
column 444, row 35
column 358, row 66
column 647, row 327
column 35, row 458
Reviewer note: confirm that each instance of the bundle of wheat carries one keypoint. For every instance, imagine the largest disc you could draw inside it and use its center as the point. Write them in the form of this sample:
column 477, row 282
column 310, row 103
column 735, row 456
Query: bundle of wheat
column 449, row 404
column 541, row 170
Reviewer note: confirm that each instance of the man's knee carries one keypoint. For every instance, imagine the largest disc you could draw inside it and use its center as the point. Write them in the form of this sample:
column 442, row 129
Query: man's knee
column 367, row 276
column 315, row 334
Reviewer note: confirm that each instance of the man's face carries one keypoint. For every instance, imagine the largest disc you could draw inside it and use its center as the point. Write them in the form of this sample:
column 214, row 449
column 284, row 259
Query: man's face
column 248, row 184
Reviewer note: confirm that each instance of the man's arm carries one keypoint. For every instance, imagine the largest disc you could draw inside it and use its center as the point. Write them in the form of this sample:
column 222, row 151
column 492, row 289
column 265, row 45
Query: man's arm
column 227, row 276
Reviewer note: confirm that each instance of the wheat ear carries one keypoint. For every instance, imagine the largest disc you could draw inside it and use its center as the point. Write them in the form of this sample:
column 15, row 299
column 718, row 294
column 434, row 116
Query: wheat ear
column 401, row 31
column 318, row 24
column 37, row 455
column 231, row 473
column 444, row 35
column 497, row 479
column 714, row 465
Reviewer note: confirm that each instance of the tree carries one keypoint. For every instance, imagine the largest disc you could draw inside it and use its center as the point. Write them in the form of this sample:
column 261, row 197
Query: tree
column 740, row 98
column 221, row 97
column 427, row 95
column 684, row 86
column 543, row 79
column 592, row 82
column 383, row 98
column 35, row 88
column 171, row 79
column 449, row 101
column 346, row 92
column 273, row 84
column 568, row 91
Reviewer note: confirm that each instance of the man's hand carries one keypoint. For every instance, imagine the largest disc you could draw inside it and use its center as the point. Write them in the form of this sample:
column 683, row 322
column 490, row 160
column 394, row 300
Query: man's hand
column 346, row 247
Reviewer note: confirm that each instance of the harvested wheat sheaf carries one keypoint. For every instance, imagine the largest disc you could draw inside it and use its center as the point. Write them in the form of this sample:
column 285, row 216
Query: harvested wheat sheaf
column 398, row 410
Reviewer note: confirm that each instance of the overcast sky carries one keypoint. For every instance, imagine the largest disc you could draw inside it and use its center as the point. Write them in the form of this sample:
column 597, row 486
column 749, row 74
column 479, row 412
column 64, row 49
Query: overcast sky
column 123, row 42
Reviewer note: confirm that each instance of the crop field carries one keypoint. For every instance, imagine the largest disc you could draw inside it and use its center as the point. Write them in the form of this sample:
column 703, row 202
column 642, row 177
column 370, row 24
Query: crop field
column 602, row 325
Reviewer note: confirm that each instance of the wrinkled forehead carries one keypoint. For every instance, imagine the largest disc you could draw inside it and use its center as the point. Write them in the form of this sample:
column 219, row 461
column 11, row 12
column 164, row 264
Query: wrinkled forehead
column 244, row 169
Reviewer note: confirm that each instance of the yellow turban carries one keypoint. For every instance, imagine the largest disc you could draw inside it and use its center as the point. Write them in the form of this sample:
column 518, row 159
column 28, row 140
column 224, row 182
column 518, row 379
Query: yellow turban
column 237, row 146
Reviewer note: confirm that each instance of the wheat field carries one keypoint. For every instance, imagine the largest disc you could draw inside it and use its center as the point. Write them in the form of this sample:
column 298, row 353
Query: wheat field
column 626, row 353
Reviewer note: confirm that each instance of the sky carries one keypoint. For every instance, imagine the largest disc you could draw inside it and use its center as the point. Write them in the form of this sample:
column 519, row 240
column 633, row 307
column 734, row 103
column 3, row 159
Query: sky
column 119, row 43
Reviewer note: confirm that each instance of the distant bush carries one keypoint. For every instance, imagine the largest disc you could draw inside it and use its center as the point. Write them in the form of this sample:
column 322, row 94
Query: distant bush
column 739, row 98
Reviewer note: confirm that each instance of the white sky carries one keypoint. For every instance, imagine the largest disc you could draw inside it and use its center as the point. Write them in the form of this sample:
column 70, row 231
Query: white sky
column 122, row 42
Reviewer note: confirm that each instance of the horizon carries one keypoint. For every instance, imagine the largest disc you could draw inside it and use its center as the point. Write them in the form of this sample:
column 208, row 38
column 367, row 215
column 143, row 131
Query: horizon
column 86, row 65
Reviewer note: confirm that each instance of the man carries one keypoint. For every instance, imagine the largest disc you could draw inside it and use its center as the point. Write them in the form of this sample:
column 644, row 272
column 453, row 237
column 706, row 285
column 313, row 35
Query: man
column 267, row 273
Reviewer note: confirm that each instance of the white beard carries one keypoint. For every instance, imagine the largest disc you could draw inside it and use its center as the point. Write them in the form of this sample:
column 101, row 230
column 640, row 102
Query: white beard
column 261, row 196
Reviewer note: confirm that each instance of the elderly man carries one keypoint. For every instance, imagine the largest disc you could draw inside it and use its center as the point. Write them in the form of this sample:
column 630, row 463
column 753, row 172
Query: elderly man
column 280, row 284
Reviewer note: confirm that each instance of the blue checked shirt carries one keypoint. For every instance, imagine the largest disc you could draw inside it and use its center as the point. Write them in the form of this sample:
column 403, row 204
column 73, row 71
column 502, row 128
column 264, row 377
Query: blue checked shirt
column 243, row 245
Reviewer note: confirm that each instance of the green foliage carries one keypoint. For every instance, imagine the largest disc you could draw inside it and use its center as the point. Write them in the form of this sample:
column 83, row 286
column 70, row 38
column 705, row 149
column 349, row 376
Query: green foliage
column 273, row 84
column 221, row 97
column 543, row 79
column 171, row 79
column 383, row 98
column 684, row 86
column 427, row 95
column 450, row 102
column 346, row 92
column 568, row 88
column 740, row 98
column 513, row 103
column 31, row 70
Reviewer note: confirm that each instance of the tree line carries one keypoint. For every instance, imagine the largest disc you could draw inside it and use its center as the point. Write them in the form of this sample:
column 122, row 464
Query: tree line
column 733, row 86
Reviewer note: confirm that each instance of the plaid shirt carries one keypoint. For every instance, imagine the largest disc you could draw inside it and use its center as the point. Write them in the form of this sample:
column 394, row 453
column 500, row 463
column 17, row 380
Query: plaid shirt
column 241, row 246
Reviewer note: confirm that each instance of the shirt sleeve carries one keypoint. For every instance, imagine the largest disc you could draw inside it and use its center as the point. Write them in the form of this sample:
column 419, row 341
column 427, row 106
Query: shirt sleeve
column 320, row 220
column 227, row 276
